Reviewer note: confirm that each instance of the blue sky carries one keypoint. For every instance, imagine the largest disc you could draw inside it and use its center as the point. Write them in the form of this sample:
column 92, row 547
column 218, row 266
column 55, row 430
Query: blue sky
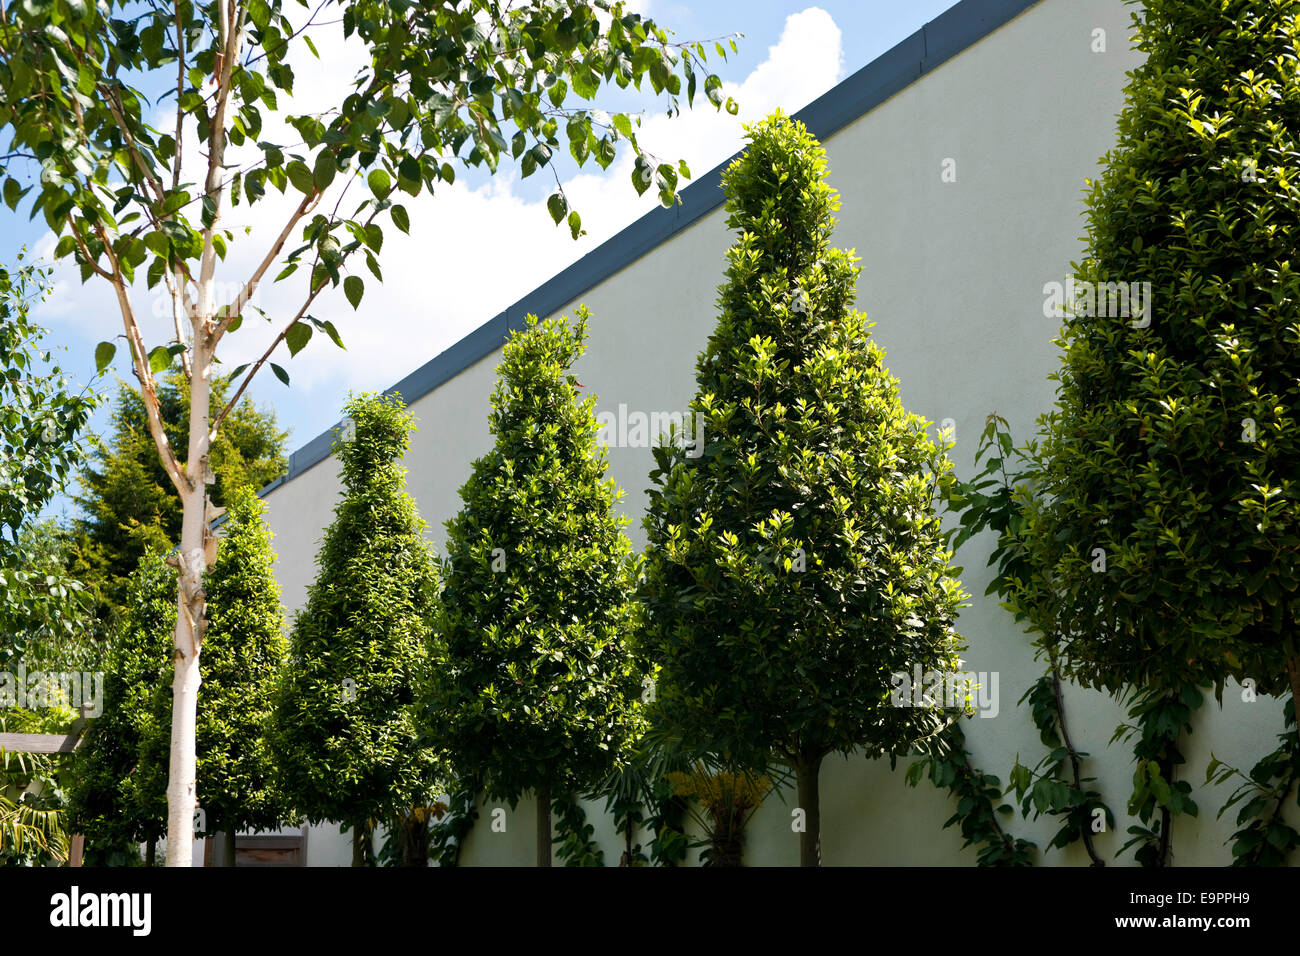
column 480, row 245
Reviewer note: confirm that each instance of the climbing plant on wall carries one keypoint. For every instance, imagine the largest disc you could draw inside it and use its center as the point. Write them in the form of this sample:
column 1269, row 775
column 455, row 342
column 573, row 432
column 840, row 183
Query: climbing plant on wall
column 994, row 500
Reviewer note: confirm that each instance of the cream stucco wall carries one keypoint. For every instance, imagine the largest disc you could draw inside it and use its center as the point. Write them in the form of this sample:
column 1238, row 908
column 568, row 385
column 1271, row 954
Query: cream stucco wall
column 953, row 276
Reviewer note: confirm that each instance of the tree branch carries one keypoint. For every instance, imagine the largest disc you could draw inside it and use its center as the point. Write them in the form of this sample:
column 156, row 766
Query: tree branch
column 180, row 91
column 115, row 107
column 148, row 387
column 230, row 23
column 275, row 343
column 179, row 307
column 250, row 287
column 176, row 287
column 285, row 42
column 85, row 252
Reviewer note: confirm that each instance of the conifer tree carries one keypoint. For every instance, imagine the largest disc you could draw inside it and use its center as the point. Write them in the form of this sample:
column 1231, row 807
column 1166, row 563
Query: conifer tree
column 128, row 504
column 796, row 564
column 345, row 737
column 1165, row 519
column 537, row 688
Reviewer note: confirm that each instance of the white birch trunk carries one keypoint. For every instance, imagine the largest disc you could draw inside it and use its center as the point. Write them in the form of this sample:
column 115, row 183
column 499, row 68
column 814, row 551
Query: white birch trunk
column 191, row 608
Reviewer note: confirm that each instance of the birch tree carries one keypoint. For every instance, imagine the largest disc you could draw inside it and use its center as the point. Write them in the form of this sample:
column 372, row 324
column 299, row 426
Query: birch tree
column 443, row 84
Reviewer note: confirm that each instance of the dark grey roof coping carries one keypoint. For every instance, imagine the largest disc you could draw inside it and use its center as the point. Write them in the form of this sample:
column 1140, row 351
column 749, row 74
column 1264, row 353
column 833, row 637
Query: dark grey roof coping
column 953, row 31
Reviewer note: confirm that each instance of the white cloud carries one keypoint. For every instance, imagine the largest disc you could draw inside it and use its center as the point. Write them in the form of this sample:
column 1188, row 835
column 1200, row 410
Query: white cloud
column 472, row 251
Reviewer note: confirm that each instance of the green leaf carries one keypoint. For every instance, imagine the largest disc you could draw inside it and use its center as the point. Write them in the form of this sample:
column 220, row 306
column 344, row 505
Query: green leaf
column 541, row 154
column 160, row 359
column 575, row 224
column 713, row 89
column 642, row 175
column 280, row 373
column 354, row 288
column 326, row 167
column 104, row 353
column 155, row 273
column 408, row 170
column 333, row 333
column 557, row 205
column 297, row 337
column 400, row 219
column 156, row 242
column 13, row 193
column 380, row 183
column 301, row 177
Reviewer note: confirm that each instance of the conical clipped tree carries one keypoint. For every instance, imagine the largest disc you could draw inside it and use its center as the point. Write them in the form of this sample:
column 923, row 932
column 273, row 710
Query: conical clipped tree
column 537, row 689
column 244, row 651
column 117, row 801
column 1166, row 522
column 797, row 563
column 345, row 732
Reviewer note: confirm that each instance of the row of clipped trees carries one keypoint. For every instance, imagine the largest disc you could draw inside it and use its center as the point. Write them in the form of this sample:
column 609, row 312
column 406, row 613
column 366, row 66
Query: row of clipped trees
column 791, row 569
column 1149, row 542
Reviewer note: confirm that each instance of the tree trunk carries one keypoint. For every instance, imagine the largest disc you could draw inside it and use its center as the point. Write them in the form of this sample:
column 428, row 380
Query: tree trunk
column 413, row 839
column 727, row 841
column 1165, row 848
column 230, row 847
column 150, row 852
column 544, row 825
column 182, row 769
column 191, row 606
column 627, row 841
column 1166, row 844
column 359, row 837
column 807, row 771
column 1293, row 671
